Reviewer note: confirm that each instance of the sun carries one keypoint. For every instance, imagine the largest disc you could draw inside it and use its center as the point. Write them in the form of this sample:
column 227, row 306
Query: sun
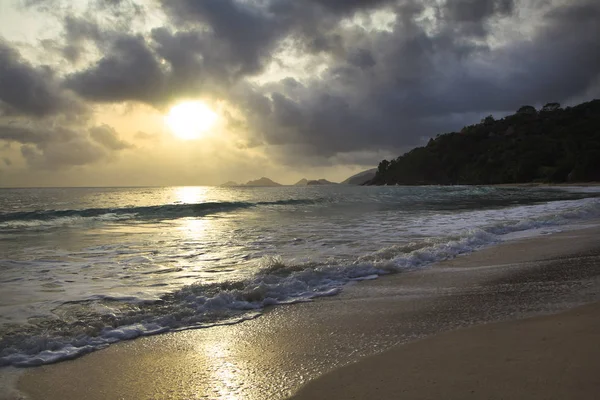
column 190, row 120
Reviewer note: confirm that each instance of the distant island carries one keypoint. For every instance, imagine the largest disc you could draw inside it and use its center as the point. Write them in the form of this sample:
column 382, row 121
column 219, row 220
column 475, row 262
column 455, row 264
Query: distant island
column 231, row 183
column 316, row 182
column 357, row 179
column 262, row 182
column 552, row 145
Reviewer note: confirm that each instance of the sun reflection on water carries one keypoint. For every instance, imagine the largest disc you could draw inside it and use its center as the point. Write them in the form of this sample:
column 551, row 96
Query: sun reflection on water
column 194, row 229
column 191, row 194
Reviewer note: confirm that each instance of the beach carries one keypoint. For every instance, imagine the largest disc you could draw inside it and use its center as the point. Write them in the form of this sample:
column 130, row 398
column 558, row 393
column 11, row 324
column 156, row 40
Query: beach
column 278, row 199
column 553, row 357
column 363, row 334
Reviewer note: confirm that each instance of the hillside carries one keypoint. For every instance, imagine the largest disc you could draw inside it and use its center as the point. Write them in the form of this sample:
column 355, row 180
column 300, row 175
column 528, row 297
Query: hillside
column 316, row 182
column 361, row 177
column 262, row 182
column 550, row 145
column 229, row 184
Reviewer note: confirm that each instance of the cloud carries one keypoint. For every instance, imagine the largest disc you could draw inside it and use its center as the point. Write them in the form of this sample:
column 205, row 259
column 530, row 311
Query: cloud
column 60, row 147
column 34, row 134
column 348, row 6
column 140, row 135
column 54, row 155
column 388, row 90
column 108, row 137
column 470, row 16
column 129, row 72
column 77, row 32
column 246, row 32
column 370, row 88
column 29, row 90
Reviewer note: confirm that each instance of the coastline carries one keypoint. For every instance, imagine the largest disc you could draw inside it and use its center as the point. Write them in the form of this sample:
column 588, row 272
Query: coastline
column 542, row 184
column 274, row 355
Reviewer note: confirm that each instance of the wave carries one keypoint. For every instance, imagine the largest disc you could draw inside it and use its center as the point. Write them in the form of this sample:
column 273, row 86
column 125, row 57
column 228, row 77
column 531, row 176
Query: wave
column 162, row 212
column 276, row 282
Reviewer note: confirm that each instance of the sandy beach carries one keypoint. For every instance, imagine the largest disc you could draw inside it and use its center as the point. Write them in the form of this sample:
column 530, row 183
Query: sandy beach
column 360, row 337
column 553, row 357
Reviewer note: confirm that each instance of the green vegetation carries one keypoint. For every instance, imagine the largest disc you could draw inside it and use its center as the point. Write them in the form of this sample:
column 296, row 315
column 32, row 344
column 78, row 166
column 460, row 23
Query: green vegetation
column 552, row 145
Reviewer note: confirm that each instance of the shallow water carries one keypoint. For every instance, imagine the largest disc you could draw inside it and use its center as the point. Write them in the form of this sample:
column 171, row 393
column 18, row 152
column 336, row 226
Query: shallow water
column 83, row 268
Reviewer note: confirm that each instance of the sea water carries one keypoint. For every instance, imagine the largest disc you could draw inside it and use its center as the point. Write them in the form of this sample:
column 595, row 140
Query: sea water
column 81, row 268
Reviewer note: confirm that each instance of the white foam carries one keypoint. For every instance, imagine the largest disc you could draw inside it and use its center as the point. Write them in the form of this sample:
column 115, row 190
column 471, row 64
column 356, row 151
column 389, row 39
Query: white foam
column 63, row 221
column 198, row 306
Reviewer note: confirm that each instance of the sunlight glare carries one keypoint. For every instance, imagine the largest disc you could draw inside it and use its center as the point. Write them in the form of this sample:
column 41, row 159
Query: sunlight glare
column 190, row 194
column 190, row 120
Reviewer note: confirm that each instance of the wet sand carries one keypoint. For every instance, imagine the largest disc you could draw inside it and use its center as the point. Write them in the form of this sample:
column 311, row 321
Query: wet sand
column 555, row 357
column 276, row 354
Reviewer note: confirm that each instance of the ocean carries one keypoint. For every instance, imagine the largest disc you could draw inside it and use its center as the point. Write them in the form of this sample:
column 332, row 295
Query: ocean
column 82, row 268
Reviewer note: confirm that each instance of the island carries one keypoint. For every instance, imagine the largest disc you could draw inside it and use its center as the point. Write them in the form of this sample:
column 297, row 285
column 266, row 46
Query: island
column 550, row 145
column 314, row 182
column 230, row 184
column 262, row 182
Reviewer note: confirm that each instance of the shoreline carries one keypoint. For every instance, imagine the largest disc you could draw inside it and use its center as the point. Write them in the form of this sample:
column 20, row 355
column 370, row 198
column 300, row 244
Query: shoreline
column 266, row 357
column 532, row 184
column 508, row 185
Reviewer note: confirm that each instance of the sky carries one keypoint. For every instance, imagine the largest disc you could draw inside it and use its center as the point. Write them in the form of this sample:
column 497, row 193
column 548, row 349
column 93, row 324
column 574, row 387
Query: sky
column 288, row 89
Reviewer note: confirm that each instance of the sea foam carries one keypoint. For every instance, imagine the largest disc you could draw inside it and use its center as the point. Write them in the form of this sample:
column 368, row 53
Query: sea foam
column 276, row 282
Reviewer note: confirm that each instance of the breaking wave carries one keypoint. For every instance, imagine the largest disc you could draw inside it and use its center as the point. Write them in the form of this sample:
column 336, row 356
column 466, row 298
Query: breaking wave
column 275, row 282
column 163, row 212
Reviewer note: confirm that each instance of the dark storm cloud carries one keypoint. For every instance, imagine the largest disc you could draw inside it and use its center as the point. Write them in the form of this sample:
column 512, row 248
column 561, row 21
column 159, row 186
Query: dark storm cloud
column 29, row 90
column 197, row 63
column 77, row 32
column 19, row 134
column 129, row 72
column 361, row 58
column 477, row 10
column 470, row 16
column 52, row 147
column 440, row 66
column 247, row 31
column 392, row 89
column 223, row 41
column 76, row 152
column 60, row 147
column 559, row 62
column 348, row 6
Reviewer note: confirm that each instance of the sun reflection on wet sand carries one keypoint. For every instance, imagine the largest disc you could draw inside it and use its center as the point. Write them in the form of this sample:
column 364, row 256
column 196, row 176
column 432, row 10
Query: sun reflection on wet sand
column 226, row 375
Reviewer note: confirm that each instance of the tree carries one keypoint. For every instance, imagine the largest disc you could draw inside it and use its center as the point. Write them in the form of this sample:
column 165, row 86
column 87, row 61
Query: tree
column 562, row 144
column 551, row 107
column 529, row 110
column 383, row 166
column 489, row 120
